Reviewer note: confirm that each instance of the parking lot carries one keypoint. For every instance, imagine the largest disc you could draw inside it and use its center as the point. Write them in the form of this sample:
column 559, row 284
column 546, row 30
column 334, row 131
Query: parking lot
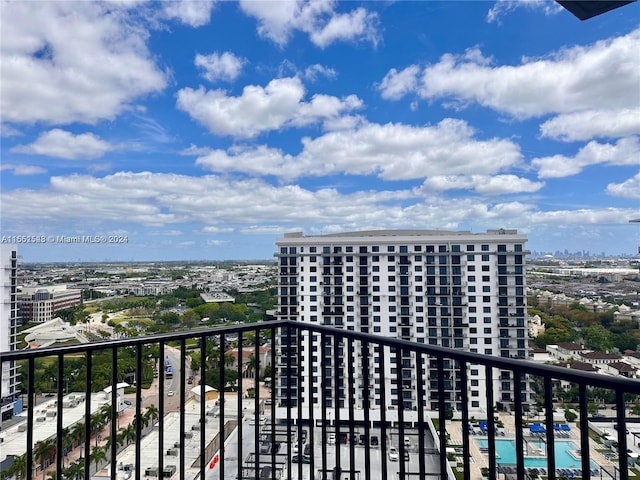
column 293, row 451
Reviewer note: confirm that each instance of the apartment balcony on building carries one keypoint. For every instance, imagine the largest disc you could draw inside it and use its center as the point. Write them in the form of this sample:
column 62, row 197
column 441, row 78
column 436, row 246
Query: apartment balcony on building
column 323, row 413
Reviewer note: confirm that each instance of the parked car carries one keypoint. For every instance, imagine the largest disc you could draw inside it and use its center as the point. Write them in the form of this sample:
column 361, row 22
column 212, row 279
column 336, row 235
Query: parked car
column 374, row 441
column 393, row 454
column 331, row 438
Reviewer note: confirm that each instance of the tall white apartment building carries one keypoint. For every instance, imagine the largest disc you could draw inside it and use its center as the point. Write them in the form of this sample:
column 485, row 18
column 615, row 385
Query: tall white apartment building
column 460, row 290
column 9, row 321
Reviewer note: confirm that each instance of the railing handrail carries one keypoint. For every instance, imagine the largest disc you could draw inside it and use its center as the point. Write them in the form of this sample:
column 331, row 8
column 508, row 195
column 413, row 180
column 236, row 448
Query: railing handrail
column 522, row 365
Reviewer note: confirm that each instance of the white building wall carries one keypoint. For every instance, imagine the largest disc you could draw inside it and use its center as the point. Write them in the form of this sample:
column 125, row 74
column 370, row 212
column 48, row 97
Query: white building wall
column 448, row 288
column 8, row 324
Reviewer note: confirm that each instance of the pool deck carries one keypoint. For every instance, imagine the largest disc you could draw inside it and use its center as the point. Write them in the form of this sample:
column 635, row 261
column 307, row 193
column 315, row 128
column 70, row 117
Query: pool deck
column 479, row 459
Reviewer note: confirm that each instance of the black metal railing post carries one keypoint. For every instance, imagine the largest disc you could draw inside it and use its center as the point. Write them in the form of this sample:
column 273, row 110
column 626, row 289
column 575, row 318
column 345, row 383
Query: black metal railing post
column 114, row 412
column 59, row 427
column 421, row 420
column 351, row 400
column 383, row 411
column 491, row 423
column 465, row 419
column 221, row 432
column 138, row 417
column 442, row 420
column 183, row 420
column 87, row 415
column 203, row 398
column 517, row 394
column 337, row 379
column 584, row 432
column 548, row 407
column 366, row 405
column 623, row 457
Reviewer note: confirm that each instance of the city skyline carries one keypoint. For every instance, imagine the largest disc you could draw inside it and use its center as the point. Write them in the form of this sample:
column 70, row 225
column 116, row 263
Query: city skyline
column 205, row 131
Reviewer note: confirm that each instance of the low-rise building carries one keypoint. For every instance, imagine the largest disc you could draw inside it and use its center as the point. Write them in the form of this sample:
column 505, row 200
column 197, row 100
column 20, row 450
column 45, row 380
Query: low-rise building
column 566, row 351
column 41, row 303
column 600, row 358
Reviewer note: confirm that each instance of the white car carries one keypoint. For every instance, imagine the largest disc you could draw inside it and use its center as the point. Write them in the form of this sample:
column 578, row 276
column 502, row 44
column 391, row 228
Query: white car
column 394, row 456
column 170, row 393
column 331, row 439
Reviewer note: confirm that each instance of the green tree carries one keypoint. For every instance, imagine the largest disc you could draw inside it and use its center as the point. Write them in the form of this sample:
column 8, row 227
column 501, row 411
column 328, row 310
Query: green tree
column 596, row 337
column 190, row 318
column 252, row 363
column 98, row 455
column 77, row 432
column 44, row 452
column 569, row 415
column 151, row 414
column 18, row 468
column 75, row 471
column 128, row 434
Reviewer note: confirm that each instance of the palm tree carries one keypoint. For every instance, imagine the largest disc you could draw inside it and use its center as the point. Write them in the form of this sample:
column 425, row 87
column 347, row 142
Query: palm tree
column 18, row 468
column 77, row 431
column 75, row 471
column 128, row 434
column 106, row 412
column 251, row 364
column 98, row 454
column 150, row 414
column 43, row 451
column 67, row 439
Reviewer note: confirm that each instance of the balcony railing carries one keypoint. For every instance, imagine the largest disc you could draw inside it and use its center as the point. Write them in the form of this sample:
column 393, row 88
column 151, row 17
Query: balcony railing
column 311, row 423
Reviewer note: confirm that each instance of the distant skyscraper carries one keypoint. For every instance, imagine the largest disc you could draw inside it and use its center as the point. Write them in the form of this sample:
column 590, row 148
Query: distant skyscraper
column 453, row 289
column 9, row 322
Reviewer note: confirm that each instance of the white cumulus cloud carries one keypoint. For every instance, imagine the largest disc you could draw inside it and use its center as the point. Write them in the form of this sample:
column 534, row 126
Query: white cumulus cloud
column 259, row 109
column 396, row 84
column 628, row 189
column 278, row 20
column 390, row 151
column 589, row 124
column 312, row 72
column 482, row 184
column 62, row 144
column 580, row 78
column 502, row 7
column 625, row 151
column 66, row 62
column 19, row 169
column 220, row 66
column 195, row 13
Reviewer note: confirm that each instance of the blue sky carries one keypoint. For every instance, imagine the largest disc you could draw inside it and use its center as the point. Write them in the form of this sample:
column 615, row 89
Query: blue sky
column 204, row 130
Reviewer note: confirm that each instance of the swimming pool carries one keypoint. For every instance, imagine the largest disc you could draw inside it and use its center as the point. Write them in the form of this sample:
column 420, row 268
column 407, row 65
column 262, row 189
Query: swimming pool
column 506, row 454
